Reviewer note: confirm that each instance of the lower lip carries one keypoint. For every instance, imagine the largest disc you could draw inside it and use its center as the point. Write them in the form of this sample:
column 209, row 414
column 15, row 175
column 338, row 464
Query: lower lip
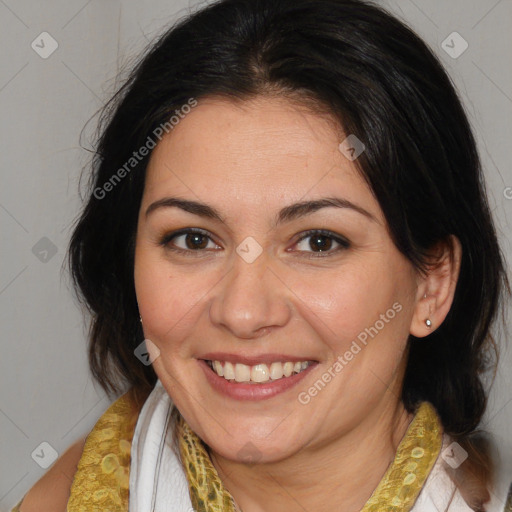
column 245, row 391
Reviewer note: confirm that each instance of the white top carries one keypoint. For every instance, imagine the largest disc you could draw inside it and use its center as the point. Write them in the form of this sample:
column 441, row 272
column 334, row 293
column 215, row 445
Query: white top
column 158, row 482
column 439, row 494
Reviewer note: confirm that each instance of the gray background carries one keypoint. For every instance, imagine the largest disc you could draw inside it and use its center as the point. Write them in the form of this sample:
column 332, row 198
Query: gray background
column 46, row 392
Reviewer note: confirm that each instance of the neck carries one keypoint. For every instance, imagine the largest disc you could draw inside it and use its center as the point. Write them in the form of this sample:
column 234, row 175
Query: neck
column 345, row 470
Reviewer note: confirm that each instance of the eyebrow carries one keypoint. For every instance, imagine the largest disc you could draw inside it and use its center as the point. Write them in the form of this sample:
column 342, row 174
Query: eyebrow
column 286, row 214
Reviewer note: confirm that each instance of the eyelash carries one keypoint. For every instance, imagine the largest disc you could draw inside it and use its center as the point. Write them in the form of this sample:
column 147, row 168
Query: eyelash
column 167, row 238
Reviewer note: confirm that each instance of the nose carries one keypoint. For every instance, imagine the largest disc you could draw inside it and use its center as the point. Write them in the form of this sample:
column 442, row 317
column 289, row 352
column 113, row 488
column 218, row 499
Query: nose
column 251, row 300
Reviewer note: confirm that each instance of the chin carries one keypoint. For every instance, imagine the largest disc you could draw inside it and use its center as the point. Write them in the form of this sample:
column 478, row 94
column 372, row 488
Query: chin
column 247, row 445
column 248, row 452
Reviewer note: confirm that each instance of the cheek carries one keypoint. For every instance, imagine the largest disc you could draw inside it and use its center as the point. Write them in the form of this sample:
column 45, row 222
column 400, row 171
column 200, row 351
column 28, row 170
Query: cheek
column 154, row 286
column 345, row 301
column 362, row 303
column 169, row 298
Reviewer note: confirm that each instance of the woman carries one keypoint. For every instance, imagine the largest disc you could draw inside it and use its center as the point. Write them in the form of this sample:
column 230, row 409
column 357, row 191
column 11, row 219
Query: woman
column 288, row 208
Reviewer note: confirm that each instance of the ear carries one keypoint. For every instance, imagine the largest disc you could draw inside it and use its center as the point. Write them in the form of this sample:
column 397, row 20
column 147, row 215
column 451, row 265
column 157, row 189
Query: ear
column 436, row 287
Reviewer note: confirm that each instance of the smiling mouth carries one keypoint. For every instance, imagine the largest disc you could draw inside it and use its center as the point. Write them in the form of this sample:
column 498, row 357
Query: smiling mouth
column 259, row 373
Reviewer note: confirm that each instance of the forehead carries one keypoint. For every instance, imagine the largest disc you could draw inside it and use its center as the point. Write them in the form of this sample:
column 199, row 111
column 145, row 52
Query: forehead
column 263, row 150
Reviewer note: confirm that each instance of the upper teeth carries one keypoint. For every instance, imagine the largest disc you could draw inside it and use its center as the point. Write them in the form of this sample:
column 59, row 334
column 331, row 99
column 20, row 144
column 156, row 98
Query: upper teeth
column 257, row 373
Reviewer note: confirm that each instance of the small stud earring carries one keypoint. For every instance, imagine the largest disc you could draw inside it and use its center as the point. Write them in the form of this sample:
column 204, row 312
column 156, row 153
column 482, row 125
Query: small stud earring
column 140, row 319
column 428, row 323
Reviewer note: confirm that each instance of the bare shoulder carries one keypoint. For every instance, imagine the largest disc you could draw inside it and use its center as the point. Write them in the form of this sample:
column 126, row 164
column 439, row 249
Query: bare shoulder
column 51, row 492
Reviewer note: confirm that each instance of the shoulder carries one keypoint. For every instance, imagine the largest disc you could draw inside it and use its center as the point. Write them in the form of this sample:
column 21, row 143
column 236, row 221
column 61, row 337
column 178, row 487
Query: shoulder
column 51, row 492
column 102, row 476
column 64, row 481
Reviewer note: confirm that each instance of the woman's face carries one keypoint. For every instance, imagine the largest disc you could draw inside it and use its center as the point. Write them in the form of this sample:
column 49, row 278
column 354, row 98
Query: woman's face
column 254, row 290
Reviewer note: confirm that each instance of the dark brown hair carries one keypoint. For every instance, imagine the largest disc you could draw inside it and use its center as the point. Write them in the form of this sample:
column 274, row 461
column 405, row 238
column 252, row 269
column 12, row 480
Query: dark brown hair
column 384, row 85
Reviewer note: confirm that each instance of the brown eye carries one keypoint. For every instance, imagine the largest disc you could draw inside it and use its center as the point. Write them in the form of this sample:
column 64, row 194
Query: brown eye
column 196, row 241
column 188, row 240
column 320, row 241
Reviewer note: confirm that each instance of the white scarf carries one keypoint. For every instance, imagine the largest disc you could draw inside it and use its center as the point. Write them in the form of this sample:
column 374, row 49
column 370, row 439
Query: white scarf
column 158, row 482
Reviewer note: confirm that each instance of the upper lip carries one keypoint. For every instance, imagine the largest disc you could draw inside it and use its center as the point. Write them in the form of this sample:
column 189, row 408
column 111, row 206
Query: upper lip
column 253, row 360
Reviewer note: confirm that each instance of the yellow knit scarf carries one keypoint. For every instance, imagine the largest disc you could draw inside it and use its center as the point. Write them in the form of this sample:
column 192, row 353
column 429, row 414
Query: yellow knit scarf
column 101, row 481
column 397, row 491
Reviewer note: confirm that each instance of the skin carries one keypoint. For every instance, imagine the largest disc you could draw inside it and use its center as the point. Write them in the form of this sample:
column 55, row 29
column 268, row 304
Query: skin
column 248, row 160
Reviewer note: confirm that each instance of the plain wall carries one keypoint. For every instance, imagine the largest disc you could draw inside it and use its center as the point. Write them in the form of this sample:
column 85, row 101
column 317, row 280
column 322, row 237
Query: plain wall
column 46, row 393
